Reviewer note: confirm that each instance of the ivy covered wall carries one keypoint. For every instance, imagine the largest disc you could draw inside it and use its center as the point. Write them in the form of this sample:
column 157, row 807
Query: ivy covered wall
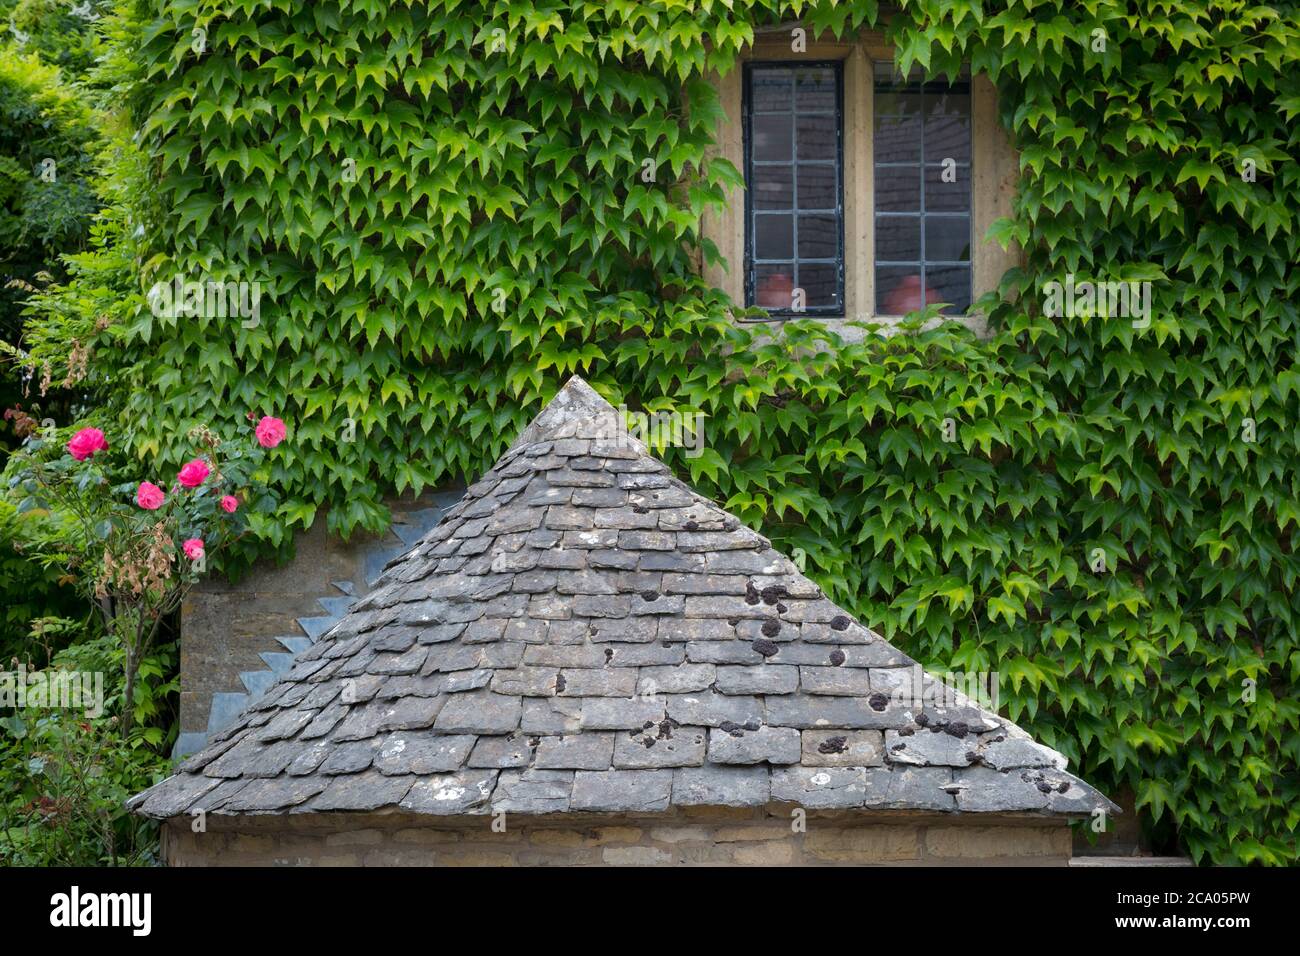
column 444, row 206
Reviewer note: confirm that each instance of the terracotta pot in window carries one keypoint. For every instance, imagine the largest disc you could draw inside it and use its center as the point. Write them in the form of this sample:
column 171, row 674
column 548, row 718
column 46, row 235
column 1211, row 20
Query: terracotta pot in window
column 906, row 296
column 776, row 291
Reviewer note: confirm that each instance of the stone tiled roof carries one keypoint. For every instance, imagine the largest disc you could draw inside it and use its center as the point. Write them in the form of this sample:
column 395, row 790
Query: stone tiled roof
column 582, row 632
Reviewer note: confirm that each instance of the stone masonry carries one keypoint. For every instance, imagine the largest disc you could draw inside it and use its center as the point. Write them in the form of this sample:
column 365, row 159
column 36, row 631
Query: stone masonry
column 690, row 837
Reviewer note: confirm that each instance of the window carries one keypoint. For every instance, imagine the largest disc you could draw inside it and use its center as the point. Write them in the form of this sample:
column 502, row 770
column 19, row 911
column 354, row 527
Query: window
column 922, row 195
column 794, row 214
column 867, row 193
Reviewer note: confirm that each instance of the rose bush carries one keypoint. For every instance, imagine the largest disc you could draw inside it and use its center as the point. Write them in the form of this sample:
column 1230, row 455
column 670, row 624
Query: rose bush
column 124, row 540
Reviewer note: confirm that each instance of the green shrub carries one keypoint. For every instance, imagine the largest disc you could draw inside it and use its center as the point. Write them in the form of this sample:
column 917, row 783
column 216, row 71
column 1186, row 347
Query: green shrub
column 31, row 590
column 65, row 776
column 388, row 171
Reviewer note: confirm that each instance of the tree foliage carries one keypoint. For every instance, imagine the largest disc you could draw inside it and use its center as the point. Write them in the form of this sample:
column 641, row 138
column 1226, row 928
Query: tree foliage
column 61, row 33
column 47, row 143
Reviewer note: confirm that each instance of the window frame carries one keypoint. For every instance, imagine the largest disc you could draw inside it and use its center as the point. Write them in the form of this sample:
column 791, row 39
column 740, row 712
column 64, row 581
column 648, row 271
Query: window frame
column 994, row 171
column 750, row 239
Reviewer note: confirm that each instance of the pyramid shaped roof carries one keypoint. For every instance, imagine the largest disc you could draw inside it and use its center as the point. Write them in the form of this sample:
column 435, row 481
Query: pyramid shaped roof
column 583, row 632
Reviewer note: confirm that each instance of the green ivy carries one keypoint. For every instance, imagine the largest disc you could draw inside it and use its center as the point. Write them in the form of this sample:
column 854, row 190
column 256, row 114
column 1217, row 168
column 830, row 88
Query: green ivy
column 444, row 204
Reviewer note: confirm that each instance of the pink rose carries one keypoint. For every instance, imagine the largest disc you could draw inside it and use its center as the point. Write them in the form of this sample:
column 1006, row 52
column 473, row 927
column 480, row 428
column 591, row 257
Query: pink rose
column 149, row 496
column 270, row 432
column 86, row 442
column 229, row 503
column 194, row 473
column 193, row 548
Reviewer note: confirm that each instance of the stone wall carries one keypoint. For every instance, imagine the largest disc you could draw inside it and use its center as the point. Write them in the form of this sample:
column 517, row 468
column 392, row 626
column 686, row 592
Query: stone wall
column 690, row 837
column 225, row 627
column 235, row 635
